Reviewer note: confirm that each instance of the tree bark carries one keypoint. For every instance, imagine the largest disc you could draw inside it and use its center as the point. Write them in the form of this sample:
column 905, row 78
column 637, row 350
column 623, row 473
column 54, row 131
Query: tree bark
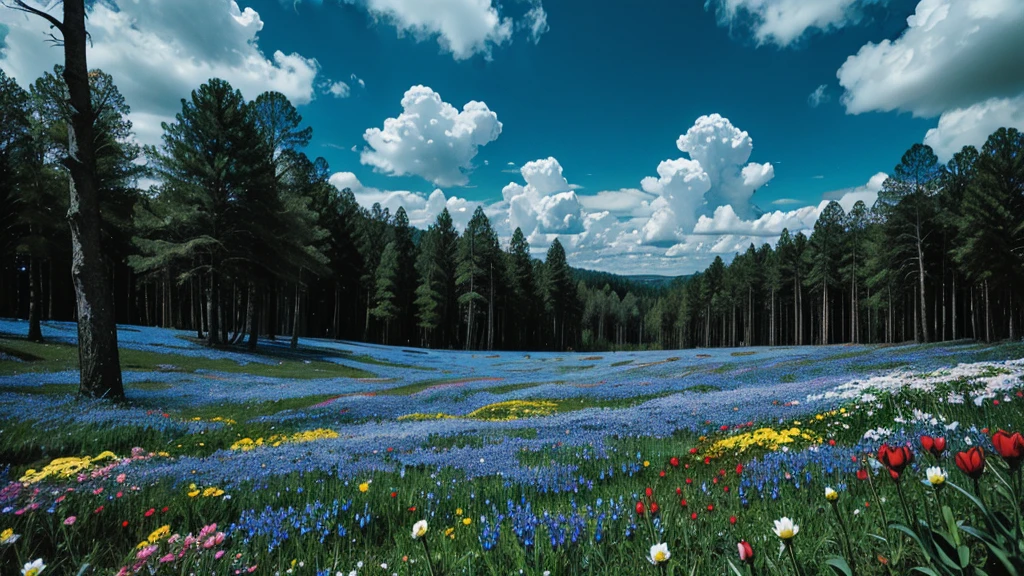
column 35, row 332
column 99, row 361
column 295, row 315
column 255, row 298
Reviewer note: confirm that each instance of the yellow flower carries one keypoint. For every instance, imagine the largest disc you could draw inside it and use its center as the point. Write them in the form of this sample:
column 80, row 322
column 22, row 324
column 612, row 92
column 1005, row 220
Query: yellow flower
column 831, row 495
column 159, row 533
column 142, row 544
column 193, row 493
column 646, row 463
column 8, row 537
column 466, row 521
column 458, row 511
column 364, row 487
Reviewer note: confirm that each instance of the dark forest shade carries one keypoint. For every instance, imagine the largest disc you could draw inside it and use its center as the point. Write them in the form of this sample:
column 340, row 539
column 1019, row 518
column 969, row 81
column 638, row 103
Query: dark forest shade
column 243, row 237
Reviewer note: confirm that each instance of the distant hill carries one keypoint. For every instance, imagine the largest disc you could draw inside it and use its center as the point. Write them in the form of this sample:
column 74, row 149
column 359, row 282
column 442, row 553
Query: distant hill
column 636, row 283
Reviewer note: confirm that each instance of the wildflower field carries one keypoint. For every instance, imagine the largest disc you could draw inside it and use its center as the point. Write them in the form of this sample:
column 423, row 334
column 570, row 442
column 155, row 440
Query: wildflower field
column 348, row 458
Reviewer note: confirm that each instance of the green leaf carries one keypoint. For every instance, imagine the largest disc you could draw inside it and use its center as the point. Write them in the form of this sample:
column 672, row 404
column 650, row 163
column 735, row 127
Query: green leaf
column 839, row 566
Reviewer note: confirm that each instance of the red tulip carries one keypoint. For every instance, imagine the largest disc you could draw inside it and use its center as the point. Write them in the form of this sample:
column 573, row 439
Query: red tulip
column 739, row 469
column 971, row 462
column 649, row 492
column 732, row 519
column 639, row 508
column 683, row 502
column 935, row 445
column 654, row 508
column 746, row 552
column 895, row 459
column 862, row 474
column 1011, row 448
column 674, row 462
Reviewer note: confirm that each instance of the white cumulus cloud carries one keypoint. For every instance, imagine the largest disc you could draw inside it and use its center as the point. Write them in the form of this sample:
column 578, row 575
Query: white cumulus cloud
column 431, row 138
column 783, row 22
column 973, row 125
column 158, row 51
column 953, row 54
column 546, row 204
column 421, row 209
column 462, row 27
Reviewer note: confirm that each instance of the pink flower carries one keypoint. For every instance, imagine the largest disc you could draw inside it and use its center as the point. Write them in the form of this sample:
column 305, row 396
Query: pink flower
column 145, row 553
column 210, row 543
column 167, row 558
column 70, row 520
column 120, row 478
column 218, row 555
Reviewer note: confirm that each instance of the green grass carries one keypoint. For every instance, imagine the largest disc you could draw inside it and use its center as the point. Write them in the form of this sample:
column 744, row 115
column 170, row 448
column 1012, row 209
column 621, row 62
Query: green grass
column 50, row 357
column 621, row 363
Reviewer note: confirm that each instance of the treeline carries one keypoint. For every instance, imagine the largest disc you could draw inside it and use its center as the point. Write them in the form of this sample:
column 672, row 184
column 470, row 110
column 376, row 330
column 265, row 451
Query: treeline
column 241, row 237
column 939, row 256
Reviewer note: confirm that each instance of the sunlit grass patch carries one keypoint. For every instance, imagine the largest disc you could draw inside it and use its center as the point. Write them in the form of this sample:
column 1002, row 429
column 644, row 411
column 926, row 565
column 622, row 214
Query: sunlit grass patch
column 53, row 357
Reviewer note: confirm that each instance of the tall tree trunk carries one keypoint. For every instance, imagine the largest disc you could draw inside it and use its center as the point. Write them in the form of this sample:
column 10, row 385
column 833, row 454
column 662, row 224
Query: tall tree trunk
column 923, row 304
column 212, row 313
column 297, row 313
column 988, row 315
column 490, row 312
column 98, row 358
column 953, row 319
column 35, row 332
column 255, row 303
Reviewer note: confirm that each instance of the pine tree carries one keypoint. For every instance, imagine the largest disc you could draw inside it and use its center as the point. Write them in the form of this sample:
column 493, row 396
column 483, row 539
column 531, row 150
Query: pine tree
column 521, row 287
column 992, row 224
column 477, row 249
column 215, row 199
column 822, row 257
column 386, row 288
column 908, row 199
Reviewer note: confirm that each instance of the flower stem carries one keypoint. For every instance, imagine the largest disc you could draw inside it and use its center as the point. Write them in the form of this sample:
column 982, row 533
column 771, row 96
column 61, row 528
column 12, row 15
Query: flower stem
column 426, row 550
column 792, row 556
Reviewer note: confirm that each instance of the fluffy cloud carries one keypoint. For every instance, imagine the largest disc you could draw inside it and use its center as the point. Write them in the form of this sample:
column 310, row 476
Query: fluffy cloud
column 624, row 202
column 422, row 210
column 430, row 138
column 681, row 185
column 782, row 22
column 973, row 125
column 716, row 174
column 953, row 54
column 462, row 27
column 337, row 89
column 158, row 51
column 723, row 150
column 546, row 204
column 769, row 226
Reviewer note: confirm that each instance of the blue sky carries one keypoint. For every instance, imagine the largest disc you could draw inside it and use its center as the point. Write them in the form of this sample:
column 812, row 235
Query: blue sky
column 607, row 91
column 648, row 136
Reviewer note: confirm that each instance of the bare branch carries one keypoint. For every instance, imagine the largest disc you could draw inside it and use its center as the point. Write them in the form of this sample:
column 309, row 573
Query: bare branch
column 23, row 7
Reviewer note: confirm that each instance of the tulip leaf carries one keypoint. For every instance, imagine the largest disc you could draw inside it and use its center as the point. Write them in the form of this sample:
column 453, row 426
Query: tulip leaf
column 735, row 570
column 839, row 566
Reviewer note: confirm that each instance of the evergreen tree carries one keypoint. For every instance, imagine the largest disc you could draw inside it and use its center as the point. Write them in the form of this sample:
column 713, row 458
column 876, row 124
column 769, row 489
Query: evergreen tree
column 908, row 200
column 386, row 294
column 215, row 199
column 822, row 256
column 992, row 225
